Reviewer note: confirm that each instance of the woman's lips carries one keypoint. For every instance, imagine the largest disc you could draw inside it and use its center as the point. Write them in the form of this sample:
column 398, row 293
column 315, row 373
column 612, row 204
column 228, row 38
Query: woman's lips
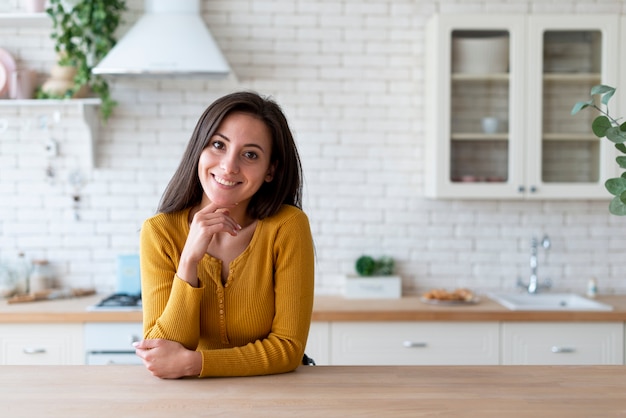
column 224, row 182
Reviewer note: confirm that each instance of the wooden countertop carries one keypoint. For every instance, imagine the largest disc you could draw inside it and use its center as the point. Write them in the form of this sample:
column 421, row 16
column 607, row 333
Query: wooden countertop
column 327, row 308
column 329, row 391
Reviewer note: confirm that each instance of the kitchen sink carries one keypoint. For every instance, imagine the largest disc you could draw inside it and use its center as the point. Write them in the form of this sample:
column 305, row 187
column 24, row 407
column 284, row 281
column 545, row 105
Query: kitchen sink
column 548, row 302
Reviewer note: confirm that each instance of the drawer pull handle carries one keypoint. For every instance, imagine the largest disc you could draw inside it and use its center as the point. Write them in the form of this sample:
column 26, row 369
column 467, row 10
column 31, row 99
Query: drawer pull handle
column 556, row 349
column 28, row 350
column 412, row 344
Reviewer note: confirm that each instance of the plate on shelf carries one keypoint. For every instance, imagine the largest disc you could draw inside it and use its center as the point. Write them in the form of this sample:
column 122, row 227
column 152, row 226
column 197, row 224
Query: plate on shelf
column 8, row 62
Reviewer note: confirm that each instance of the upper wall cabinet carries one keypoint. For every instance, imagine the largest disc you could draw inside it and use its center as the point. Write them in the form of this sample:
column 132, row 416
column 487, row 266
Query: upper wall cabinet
column 499, row 93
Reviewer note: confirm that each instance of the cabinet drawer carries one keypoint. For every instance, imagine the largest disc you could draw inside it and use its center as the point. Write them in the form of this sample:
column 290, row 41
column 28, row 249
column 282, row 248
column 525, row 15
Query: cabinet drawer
column 112, row 336
column 562, row 343
column 414, row 343
column 41, row 344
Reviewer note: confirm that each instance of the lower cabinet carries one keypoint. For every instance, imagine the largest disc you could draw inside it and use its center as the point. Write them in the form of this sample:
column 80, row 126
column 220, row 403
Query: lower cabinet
column 41, row 344
column 318, row 343
column 414, row 343
column 563, row 343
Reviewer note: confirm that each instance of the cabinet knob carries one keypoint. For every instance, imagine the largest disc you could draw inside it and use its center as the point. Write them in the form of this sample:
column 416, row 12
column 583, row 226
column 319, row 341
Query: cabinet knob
column 556, row 349
column 413, row 344
column 32, row 350
column 533, row 189
column 521, row 189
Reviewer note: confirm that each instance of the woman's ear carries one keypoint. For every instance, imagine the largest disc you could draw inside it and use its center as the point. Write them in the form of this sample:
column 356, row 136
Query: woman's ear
column 270, row 173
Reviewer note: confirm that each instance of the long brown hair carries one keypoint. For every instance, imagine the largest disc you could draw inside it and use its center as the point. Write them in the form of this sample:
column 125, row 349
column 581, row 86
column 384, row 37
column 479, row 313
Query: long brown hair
column 184, row 189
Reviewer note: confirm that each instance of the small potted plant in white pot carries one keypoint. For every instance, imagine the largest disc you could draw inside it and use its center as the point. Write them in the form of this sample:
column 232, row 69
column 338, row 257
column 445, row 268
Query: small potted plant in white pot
column 375, row 279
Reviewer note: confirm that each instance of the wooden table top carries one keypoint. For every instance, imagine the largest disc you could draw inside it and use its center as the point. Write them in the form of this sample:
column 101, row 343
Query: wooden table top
column 321, row 391
column 327, row 308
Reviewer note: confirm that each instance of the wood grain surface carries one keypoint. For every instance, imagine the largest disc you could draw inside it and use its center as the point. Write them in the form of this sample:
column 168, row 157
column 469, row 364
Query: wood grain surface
column 327, row 308
column 321, row 391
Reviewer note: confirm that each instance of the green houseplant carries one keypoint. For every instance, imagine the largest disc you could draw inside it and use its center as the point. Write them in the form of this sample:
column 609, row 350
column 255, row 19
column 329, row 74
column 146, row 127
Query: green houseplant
column 83, row 31
column 605, row 125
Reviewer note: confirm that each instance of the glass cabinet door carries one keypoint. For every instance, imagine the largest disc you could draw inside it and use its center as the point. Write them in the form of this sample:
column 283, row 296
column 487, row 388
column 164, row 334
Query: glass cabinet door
column 568, row 56
column 475, row 106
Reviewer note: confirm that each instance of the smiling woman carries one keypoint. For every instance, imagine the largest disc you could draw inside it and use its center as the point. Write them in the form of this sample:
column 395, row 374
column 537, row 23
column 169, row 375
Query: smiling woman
column 226, row 290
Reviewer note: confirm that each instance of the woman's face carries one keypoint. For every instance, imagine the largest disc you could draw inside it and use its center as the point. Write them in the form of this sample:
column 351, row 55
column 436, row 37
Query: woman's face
column 237, row 161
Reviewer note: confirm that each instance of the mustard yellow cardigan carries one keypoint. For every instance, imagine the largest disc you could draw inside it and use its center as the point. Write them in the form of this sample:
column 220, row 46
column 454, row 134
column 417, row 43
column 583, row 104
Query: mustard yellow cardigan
column 255, row 324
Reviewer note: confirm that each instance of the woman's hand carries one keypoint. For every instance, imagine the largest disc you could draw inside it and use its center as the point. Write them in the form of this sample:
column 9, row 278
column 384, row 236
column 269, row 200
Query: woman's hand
column 168, row 359
column 207, row 222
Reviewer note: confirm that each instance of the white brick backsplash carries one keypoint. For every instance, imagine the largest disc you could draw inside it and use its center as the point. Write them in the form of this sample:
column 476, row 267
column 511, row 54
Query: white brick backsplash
column 349, row 75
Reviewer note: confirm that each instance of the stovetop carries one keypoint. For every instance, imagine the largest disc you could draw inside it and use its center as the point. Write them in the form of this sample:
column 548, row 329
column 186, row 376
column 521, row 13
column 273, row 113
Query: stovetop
column 118, row 302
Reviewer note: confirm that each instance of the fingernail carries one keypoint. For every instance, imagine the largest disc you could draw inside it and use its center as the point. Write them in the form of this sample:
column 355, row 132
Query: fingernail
column 135, row 344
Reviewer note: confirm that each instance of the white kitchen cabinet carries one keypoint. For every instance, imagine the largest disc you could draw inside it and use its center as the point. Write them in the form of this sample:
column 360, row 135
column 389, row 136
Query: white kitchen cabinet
column 414, row 343
column 41, row 344
column 318, row 343
column 541, row 343
column 539, row 150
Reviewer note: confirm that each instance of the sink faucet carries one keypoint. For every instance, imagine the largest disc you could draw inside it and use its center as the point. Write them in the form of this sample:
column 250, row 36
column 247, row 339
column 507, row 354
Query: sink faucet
column 533, row 285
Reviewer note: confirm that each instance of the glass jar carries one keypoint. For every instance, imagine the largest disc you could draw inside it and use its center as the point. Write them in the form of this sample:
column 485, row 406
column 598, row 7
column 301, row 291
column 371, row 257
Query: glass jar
column 40, row 278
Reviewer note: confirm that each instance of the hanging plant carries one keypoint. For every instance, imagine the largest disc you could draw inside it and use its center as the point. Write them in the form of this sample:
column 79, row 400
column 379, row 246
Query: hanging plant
column 83, row 31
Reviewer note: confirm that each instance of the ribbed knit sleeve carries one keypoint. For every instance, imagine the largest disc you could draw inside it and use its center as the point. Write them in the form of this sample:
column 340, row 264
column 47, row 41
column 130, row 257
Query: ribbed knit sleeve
column 167, row 300
column 258, row 322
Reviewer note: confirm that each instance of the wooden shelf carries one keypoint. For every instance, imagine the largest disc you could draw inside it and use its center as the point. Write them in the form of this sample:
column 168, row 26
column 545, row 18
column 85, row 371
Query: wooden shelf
column 479, row 136
column 480, row 77
column 89, row 110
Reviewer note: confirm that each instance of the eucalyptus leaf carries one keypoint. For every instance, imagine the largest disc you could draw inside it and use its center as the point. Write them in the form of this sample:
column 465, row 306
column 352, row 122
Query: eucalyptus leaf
column 614, row 134
column 621, row 161
column 617, row 207
column 600, row 125
column 621, row 147
column 580, row 106
column 616, row 186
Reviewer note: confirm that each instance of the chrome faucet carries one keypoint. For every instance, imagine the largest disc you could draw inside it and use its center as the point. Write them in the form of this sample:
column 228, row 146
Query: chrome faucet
column 533, row 285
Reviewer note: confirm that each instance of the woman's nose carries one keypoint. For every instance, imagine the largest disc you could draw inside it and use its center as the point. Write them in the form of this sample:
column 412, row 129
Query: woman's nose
column 230, row 163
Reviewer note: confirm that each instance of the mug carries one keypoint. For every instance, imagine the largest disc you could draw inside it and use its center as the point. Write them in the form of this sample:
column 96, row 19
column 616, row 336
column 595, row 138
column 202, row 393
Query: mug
column 22, row 85
column 489, row 124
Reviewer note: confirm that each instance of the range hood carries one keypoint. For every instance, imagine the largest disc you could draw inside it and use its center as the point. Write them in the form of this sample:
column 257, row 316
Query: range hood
column 169, row 39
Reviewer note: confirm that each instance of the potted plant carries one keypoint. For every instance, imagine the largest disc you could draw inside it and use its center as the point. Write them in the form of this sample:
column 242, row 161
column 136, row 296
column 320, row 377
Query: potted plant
column 83, row 31
column 605, row 125
column 375, row 279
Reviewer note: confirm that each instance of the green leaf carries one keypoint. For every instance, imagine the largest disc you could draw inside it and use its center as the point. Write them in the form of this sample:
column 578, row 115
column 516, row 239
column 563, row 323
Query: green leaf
column 616, row 186
column 606, row 91
column 600, row 125
column 614, row 134
column 617, row 206
column 621, row 161
column 580, row 106
column 621, row 147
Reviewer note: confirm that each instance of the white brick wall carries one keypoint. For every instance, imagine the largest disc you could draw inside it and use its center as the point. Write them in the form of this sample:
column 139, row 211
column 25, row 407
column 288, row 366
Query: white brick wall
column 349, row 75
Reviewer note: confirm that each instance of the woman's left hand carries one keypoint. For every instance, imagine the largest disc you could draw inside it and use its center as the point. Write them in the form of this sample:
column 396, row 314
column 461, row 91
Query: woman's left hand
column 168, row 359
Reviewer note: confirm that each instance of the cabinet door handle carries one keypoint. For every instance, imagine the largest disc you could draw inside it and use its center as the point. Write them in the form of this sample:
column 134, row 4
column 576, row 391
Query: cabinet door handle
column 556, row 349
column 31, row 350
column 413, row 344
column 533, row 189
column 521, row 189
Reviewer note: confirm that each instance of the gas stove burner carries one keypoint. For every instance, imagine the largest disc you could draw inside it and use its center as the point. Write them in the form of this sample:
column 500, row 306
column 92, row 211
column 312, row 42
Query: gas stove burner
column 120, row 300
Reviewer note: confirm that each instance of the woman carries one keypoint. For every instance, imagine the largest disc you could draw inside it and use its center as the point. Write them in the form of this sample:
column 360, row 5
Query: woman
column 227, row 263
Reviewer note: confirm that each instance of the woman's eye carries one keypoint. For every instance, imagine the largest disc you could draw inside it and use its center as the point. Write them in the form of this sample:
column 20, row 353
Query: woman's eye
column 217, row 144
column 251, row 155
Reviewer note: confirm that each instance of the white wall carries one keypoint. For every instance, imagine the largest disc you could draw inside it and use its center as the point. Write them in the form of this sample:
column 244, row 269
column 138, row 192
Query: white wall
column 349, row 75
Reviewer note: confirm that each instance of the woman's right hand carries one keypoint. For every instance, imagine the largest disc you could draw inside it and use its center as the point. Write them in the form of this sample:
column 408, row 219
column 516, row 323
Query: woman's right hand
column 207, row 222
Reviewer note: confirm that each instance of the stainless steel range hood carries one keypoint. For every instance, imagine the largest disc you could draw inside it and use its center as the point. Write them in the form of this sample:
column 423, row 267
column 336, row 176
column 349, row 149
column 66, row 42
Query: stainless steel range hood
column 169, row 39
